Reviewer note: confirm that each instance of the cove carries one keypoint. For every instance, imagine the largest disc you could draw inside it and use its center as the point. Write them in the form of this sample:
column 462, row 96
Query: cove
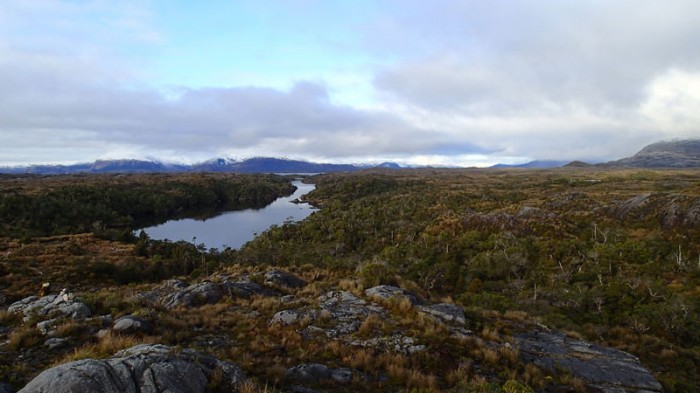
column 235, row 228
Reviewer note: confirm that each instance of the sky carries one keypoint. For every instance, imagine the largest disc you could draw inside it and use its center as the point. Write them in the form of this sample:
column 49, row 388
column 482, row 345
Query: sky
column 440, row 82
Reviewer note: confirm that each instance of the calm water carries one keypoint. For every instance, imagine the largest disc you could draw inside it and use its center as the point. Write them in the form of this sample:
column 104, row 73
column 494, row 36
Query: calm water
column 234, row 229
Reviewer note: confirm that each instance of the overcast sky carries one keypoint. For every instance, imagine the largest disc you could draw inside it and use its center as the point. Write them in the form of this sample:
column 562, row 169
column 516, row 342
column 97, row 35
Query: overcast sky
column 453, row 82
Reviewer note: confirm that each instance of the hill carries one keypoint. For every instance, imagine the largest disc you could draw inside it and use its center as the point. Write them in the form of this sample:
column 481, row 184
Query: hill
column 541, row 164
column 672, row 154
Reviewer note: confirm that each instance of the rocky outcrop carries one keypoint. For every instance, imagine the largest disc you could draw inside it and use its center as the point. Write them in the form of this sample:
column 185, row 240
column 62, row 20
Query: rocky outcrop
column 144, row 368
column 176, row 293
column 52, row 306
column 605, row 369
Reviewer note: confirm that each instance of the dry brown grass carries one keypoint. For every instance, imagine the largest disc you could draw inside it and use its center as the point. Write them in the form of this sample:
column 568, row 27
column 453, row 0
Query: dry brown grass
column 577, row 383
column 509, row 354
column 354, row 286
column 371, row 324
column 106, row 346
column 23, row 338
column 490, row 356
column 460, row 374
column 516, row 315
column 490, row 334
column 70, row 328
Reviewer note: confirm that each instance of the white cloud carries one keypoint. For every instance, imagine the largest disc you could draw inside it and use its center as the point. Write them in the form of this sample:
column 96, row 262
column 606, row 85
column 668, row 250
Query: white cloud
column 673, row 103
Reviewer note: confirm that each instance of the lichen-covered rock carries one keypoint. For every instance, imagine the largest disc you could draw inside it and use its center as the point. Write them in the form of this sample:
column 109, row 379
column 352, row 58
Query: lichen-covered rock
column 605, row 369
column 387, row 292
column 283, row 279
column 144, row 368
column 347, row 311
column 62, row 305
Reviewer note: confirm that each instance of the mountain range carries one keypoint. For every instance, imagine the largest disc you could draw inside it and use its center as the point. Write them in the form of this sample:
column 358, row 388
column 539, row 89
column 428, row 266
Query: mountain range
column 251, row 165
column 668, row 154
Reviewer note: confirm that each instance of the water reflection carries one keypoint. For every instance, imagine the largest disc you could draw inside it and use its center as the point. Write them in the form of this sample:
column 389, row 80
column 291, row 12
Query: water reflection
column 234, row 229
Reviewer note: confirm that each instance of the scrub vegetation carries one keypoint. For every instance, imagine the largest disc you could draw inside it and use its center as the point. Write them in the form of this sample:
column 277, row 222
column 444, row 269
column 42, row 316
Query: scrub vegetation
column 608, row 256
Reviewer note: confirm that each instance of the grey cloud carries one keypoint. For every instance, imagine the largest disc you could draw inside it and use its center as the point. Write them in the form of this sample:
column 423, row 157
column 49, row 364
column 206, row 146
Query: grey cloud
column 84, row 113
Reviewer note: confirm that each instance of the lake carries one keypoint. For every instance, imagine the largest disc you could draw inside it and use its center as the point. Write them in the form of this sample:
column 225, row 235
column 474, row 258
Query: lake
column 235, row 228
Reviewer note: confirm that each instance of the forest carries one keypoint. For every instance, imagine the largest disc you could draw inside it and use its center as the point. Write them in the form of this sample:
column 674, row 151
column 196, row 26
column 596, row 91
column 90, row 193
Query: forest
column 610, row 256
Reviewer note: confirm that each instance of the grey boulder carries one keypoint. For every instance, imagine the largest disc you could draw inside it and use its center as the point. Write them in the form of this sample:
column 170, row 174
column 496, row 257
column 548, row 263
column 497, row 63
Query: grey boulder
column 144, row 368
column 130, row 324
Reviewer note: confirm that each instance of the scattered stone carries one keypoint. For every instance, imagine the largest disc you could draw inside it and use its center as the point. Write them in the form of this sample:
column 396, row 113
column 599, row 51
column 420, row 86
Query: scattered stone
column 47, row 326
column 606, row 369
column 285, row 318
column 56, row 343
column 287, row 298
column 144, row 368
column 447, row 312
column 387, row 292
column 130, row 324
column 284, row 279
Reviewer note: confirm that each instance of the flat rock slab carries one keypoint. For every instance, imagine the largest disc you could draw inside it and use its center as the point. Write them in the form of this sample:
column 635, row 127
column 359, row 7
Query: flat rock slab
column 606, row 369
